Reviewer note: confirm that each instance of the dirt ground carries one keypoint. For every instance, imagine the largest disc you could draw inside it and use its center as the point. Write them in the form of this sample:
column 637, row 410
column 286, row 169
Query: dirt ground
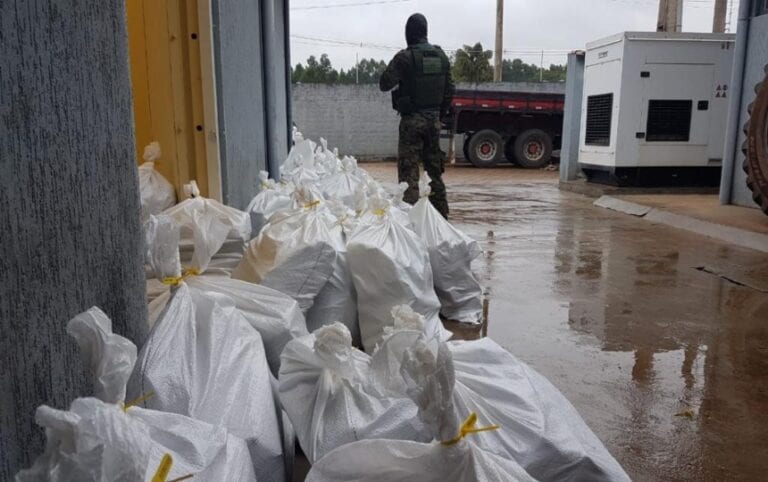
column 658, row 336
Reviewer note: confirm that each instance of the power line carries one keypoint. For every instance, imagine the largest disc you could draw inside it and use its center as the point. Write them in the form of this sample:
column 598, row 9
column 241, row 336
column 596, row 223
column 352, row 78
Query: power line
column 343, row 5
column 349, row 43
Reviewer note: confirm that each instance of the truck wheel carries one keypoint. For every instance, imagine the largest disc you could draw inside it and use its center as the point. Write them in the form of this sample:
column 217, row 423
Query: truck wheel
column 485, row 148
column 756, row 146
column 533, row 149
column 509, row 150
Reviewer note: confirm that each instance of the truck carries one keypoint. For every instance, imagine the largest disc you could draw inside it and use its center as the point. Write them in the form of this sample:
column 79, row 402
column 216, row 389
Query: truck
column 521, row 126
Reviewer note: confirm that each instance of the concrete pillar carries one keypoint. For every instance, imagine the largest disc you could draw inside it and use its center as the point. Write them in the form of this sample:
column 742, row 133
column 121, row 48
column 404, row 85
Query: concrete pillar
column 499, row 47
column 670, row 17
column 574, row 92
column 69, row 220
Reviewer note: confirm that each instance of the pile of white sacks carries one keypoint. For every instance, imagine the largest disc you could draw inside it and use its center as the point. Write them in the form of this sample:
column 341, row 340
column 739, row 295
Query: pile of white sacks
column 315, row 316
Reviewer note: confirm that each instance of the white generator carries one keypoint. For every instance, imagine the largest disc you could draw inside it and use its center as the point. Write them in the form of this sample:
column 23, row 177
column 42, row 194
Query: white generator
column 654, row 108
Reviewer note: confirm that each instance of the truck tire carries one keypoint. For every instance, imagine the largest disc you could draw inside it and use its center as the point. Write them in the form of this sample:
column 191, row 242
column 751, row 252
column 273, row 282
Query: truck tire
column 533, row 149
column 485, row 148
column 756, row 146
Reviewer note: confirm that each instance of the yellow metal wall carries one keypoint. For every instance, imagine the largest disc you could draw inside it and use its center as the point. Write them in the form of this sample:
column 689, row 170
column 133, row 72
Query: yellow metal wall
column 167, row 93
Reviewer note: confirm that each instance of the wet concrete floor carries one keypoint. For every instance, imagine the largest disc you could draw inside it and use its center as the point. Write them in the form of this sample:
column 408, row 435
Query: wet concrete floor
column 659, row 337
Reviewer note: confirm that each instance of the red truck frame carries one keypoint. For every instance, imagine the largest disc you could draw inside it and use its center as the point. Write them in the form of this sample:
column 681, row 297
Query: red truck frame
column 523, row 127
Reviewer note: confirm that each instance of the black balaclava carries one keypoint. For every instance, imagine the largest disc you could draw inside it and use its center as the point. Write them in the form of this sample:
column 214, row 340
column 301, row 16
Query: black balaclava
column 416, row 29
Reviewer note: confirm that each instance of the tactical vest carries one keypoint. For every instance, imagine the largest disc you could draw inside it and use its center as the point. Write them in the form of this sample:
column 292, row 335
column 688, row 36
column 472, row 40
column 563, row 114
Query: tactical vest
column 424, row 88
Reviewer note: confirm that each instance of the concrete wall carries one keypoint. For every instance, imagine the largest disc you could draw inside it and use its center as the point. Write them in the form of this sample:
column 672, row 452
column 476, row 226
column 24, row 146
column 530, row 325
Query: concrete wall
column 69, row 220
column 249, row 47
column 359, row 120
column 757, row 59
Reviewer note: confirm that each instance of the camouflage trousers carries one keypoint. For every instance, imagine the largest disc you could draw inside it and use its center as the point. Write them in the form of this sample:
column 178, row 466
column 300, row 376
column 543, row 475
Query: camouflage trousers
column 419, row 145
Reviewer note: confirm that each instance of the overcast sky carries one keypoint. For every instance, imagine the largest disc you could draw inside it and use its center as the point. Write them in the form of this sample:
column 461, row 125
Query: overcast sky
column 555, row 26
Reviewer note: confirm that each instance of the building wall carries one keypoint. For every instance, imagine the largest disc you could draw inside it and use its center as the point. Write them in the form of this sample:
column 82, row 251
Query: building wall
column 757, row 59
column 574, row 89
column 251, row 92
column 70, row 228
column 359, row 120
column 237, row 34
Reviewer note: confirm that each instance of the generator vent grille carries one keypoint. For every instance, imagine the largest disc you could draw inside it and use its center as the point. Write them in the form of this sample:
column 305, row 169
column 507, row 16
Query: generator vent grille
column 599, row 112
column 669, row 120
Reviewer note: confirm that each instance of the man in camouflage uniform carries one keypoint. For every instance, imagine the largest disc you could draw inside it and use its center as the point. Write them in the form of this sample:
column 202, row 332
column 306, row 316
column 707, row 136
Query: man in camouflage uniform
column 422, row 75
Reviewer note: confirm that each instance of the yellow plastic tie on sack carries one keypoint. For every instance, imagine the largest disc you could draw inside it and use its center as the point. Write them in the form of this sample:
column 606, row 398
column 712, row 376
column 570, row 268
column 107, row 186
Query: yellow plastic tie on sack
column 468, row 427
column 137, row 401
column 311, row 205
column 161, row 474
column 176, row 280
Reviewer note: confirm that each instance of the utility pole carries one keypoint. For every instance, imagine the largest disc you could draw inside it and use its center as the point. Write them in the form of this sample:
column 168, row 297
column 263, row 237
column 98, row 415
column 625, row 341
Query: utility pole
column 499, row 41
column 670, row 16
column 541, row 68
column 718, row 22
column 357, row 68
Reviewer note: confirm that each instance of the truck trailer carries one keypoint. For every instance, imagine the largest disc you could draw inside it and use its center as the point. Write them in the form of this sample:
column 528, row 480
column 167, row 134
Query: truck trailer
column 523, row 127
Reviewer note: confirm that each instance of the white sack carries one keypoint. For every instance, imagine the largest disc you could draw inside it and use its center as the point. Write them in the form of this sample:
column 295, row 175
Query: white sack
column 98, row 440
column 540, row 429
column 270, row 199
column 428, row 375
column 396, row 193
column 300, row 167
column 324, row 389
column 390, row 267
column 157, row 194
column 204, row 359
column 337, row 301
column 109, row 357
column 345, row 183
column 327, row 161
column 274, row 315
column 450, row 253
column 188, row 211
column 197, row 212
column 371, row 198
column 302, row 150
column 293, row 254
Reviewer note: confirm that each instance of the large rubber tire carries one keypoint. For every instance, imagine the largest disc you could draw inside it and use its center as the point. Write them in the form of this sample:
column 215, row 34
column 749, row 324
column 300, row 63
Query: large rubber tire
column 533, row 149
column 509, row 150
column 485, row 148
column 756, row 146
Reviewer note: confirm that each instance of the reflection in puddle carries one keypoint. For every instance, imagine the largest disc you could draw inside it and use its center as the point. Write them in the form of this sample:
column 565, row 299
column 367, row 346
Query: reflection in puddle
column 610, row 310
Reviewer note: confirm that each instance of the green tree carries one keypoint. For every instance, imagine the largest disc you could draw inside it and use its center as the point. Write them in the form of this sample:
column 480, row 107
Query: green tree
column 321, row 71
column 472, row 64
column 518, row 71
column 555, row 73
column 297, row 73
